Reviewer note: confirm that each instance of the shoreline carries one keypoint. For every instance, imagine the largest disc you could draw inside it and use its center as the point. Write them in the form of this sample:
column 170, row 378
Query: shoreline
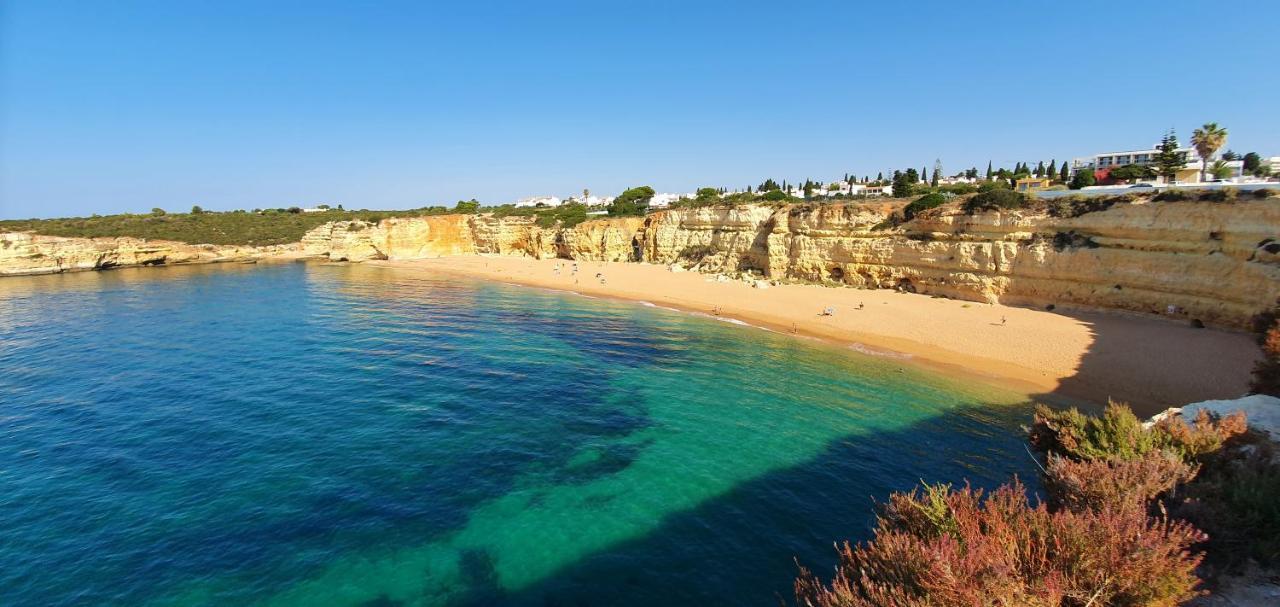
column 1071, row 357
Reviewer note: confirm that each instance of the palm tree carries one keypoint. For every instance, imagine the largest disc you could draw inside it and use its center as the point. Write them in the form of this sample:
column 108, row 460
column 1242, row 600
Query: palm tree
column 1220, row 170
column 1206, row 140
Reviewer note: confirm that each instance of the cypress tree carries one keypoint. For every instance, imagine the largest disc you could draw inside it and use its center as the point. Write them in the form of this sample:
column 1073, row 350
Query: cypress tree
column 989, row 173
column 1040, row 169
column 1065, row 172
column 1052, row 171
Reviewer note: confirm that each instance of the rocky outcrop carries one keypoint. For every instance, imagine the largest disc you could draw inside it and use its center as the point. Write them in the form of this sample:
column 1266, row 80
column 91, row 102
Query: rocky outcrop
column 443, row 235
column 24, row 253
column 403, row 238
column 1215, row 262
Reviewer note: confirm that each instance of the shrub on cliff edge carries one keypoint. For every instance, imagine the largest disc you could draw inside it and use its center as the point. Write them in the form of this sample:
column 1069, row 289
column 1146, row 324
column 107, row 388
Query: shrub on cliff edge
column 1230, row 486
column 922, row 204
column 944, row 548
column 995, row 200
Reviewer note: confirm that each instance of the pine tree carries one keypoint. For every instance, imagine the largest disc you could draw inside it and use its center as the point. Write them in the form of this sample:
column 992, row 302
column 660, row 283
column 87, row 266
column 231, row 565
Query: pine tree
column 1065, row 173
column 1052, row 171
column 924, row 174
column 1168, row 160
column 1040, row 169
column 989, row 173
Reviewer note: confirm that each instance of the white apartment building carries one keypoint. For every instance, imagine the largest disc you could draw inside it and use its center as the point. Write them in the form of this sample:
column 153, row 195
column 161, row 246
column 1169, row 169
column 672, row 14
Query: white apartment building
column 1189, row 173
column 539, row 201
column 664, row 200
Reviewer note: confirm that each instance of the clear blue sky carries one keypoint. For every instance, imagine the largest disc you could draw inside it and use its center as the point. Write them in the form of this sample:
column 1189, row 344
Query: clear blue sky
column 123, row 106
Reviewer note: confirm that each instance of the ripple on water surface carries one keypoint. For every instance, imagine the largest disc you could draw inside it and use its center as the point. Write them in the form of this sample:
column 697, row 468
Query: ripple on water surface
column 306, row 434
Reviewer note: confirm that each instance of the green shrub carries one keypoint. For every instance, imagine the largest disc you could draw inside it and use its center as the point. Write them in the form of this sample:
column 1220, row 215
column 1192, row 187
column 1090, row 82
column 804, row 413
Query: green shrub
column 922, row 204
column 1230, row 487
column 944, row 548
column 467, row 207
column 1118, row 434
column 267, row 227
column 1113, row 483
column 1172, row 195
column 1226, row 194
column 1082, row 179
column 632, row 201
column 994, row 200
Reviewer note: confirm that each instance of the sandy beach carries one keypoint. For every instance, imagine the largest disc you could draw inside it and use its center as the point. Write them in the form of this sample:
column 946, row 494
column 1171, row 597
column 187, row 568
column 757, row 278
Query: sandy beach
column 1151, row 363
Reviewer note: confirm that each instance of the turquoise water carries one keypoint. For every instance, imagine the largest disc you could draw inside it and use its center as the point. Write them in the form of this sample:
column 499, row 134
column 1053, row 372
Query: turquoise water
column 307, row 434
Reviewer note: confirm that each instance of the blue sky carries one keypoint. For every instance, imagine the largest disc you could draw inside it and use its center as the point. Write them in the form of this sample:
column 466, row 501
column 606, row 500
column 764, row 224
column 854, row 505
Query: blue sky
column 123, row 106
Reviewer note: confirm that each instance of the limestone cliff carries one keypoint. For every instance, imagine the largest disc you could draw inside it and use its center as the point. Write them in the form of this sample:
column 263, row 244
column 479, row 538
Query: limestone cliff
column 442, row 235
column 1216, row 262
column 25, row 253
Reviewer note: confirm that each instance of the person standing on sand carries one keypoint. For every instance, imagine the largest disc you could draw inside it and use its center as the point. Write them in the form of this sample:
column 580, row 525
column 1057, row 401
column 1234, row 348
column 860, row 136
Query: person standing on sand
column 1003, row 320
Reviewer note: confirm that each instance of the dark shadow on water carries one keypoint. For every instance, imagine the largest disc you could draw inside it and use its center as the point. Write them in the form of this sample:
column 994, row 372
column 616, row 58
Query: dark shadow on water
column 738, row 548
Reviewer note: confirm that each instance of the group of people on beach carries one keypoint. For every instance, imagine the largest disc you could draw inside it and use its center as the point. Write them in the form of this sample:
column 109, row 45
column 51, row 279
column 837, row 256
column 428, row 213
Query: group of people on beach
column 573, row 271
column 717, row 310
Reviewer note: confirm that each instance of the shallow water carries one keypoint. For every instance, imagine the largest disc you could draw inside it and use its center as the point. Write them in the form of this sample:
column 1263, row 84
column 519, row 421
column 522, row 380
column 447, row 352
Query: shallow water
column 307, row 434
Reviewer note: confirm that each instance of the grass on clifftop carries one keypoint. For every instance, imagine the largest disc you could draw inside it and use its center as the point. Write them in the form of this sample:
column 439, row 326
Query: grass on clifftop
column 269, row 227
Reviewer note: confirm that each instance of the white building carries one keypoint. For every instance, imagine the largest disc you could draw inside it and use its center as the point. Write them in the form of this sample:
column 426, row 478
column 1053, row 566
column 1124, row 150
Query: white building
column 664, row 200
column 539, row 201
column 1189, row 173
column 590, row 200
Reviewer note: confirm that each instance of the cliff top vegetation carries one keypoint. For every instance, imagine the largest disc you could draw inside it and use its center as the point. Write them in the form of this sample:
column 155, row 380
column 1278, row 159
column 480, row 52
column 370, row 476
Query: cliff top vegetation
column 259, row 227
column 262, row 227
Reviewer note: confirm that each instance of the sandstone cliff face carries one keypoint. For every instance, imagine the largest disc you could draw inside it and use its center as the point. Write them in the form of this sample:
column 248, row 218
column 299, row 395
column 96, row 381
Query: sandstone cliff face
column 442, row 235
column 24, row 253
column 403, row 238
column 1217, row 262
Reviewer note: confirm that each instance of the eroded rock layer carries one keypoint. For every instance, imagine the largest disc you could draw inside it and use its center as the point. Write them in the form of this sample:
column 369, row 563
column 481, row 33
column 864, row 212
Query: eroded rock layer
column 1215, row 262
column 24, row 253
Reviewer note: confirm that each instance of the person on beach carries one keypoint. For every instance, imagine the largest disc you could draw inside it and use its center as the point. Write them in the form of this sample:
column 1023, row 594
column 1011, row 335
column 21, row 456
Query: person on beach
column 828, row 311
column 861, row 305
column 1003, row 320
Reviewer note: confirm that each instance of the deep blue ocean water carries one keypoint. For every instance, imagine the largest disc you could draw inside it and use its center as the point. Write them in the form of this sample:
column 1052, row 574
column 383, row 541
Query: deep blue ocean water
column 310, row 434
